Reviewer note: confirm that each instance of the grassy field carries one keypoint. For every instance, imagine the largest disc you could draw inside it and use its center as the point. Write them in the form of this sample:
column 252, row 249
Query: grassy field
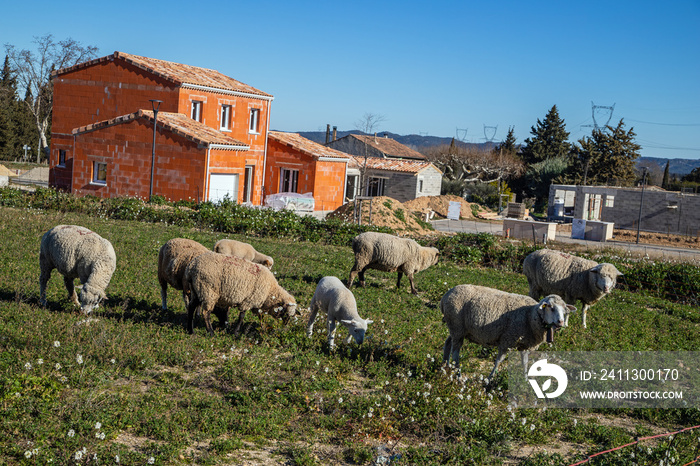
column 128, row 385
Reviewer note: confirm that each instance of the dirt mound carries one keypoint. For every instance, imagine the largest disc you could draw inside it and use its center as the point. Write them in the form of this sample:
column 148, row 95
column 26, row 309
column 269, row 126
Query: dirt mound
column 386, row 212
column 440, row 204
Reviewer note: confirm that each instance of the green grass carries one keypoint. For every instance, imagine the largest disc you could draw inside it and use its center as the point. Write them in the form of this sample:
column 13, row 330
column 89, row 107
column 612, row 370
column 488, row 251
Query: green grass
column 128, row 381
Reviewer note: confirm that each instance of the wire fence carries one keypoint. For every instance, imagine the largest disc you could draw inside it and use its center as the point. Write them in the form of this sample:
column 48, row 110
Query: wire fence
column 638, row 440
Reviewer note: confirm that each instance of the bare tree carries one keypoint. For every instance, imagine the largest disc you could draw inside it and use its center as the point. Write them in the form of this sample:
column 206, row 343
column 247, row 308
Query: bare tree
column 33, row 71
column 368, row 124
column 471, row 165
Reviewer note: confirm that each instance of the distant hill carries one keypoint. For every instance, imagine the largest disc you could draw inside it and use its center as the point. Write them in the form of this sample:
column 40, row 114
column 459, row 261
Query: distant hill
column 417, row 142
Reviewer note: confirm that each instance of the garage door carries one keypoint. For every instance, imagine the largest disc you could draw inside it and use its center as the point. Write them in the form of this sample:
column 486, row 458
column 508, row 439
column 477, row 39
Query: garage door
column 221, row 186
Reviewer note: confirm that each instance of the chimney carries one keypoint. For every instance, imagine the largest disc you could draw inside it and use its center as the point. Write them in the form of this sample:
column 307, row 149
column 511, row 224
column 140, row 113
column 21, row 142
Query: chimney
column 335, row 133
column 328, row 133
column 375, row 138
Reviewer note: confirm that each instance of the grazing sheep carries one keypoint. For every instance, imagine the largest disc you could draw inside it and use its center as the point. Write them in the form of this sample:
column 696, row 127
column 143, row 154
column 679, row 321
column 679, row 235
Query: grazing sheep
column 495, row 318
column 77, row 252
column 173, row 258
column 573, row 278
column 232, row 247
column 339, row 304
column 390, row 253
column 217, row 280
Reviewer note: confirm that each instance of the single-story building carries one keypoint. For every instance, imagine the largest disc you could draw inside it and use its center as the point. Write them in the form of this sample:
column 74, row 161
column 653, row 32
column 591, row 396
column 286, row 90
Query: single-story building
column 402, row 180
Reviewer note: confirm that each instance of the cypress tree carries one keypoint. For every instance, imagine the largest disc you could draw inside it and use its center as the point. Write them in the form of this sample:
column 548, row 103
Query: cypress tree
column 664, row 183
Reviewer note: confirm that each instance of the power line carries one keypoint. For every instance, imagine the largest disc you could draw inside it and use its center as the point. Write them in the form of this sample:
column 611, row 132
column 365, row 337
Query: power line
column 664, row 124
column 493, row 133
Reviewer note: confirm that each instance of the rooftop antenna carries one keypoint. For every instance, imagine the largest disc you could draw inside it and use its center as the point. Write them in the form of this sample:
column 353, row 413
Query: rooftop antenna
column 490, row 132
column 461, row 134
column 601, row 113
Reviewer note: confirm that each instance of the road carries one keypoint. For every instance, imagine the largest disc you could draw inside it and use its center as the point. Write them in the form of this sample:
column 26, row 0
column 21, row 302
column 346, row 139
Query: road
column 657, row 252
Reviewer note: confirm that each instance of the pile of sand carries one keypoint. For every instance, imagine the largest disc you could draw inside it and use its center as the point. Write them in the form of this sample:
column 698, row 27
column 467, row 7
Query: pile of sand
column 386, row 212
column 439, row 205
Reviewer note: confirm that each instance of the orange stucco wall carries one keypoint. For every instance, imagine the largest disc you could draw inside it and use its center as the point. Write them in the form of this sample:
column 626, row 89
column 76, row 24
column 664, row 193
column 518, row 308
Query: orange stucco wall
column 113, row 88
column 325, row 179
column 127, row 150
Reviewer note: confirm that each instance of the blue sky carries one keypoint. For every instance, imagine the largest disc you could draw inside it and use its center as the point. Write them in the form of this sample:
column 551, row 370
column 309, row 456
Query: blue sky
column 426, row 67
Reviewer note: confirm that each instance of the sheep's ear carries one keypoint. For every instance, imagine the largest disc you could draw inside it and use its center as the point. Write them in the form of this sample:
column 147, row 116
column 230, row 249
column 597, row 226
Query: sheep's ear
column 571, row 308
column 347, row 322
column 369, row 321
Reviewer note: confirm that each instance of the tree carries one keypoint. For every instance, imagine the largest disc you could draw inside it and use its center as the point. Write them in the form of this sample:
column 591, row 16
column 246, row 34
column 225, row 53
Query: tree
column 665, row 181
column 368, row 124
column 33, row 73
column 8, row 110
column 550, row 139
column 509, row 146
column 607, row 156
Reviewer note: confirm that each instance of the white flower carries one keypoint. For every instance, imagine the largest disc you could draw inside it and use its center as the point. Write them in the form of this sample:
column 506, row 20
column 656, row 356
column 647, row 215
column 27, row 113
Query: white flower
column 523, row 421
column 369, row 415
column 151, row 460
column 100, row 435
column 71, row 433
column 27, row 454
column 58, row 367
column 28, row 366
column 318, row 362
column 79, row 359
column 325, row 369
column 340, row 400
column 78, row 455
column 40, row 361
column 98, row 425
column 532, row 426
column 56, row 344
column 112, row 361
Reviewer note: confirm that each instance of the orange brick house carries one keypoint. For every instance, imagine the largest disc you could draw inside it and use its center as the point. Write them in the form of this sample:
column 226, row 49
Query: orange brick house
column 211, row 135
column 297, row 164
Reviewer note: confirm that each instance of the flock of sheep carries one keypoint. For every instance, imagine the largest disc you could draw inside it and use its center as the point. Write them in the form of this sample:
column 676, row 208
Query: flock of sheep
column 234, row 274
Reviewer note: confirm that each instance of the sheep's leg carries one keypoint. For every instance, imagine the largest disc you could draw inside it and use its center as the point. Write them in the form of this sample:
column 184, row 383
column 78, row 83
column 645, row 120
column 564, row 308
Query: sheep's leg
column 499, row 359
column 398, row 280
column 331, row 333
column 191, row 308
column 43, row 281
column 239, row 322
column 584, row 310
column 456, row 346
column 221, row 313
column 446, row 350
column 164, row 295
column 206, row 313
column 70, row 286
column 353, row 274
column 413, row 286
column 312, row 319
column 362, row 277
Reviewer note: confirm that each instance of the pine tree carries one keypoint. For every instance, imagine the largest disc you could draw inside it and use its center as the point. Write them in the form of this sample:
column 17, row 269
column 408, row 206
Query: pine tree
column 550, row 139
column 665, row 182
column 8, row 111
column 606, row 157
column 509, row 146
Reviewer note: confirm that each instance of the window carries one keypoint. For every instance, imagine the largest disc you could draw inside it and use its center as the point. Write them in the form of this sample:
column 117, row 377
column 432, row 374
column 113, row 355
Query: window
column 225, row 118
column 248, row 184
column 420, row 186
column 375, row 186
column 197, row 110
column 609, row 201
column 99, row 173
column 61, row 157
column 288, row 180
column 254, row 120
column 351, row 186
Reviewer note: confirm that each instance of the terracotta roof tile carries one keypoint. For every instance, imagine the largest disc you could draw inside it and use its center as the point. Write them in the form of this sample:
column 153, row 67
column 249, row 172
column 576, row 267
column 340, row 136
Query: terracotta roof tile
column 176, row 72
column 307, row 146
column 177, row 123
column 390, row 147
column 395, row 165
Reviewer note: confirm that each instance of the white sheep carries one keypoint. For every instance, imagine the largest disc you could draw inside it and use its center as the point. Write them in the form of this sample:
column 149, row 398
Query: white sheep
column 214, row 279
column 232, row 247
column 492, row 317
column 77, row 252
column 338, row 302
column 390, row 253
column 573, row 278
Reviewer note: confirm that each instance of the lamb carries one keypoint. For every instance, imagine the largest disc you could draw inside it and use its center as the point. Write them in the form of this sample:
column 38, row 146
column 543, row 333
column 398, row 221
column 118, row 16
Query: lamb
column 495, row 318
column 390, row 253
column 339, row 304
column 218, row 280
column 77, row 252
column 573, row 278
column 232, row 247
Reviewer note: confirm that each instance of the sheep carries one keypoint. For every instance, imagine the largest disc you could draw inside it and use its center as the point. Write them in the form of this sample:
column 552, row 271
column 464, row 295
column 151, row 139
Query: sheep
column 77, row 252
column 232, row 247
column 215, row 279
column 390, row 253
column 573, row 278
column 339, row 304
column 495, row 318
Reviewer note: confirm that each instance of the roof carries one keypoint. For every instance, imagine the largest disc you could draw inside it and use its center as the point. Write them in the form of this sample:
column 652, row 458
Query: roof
column 177, row 73
column 177, row 123
column 390, row 147
column 395, row 165
column 307, row 146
